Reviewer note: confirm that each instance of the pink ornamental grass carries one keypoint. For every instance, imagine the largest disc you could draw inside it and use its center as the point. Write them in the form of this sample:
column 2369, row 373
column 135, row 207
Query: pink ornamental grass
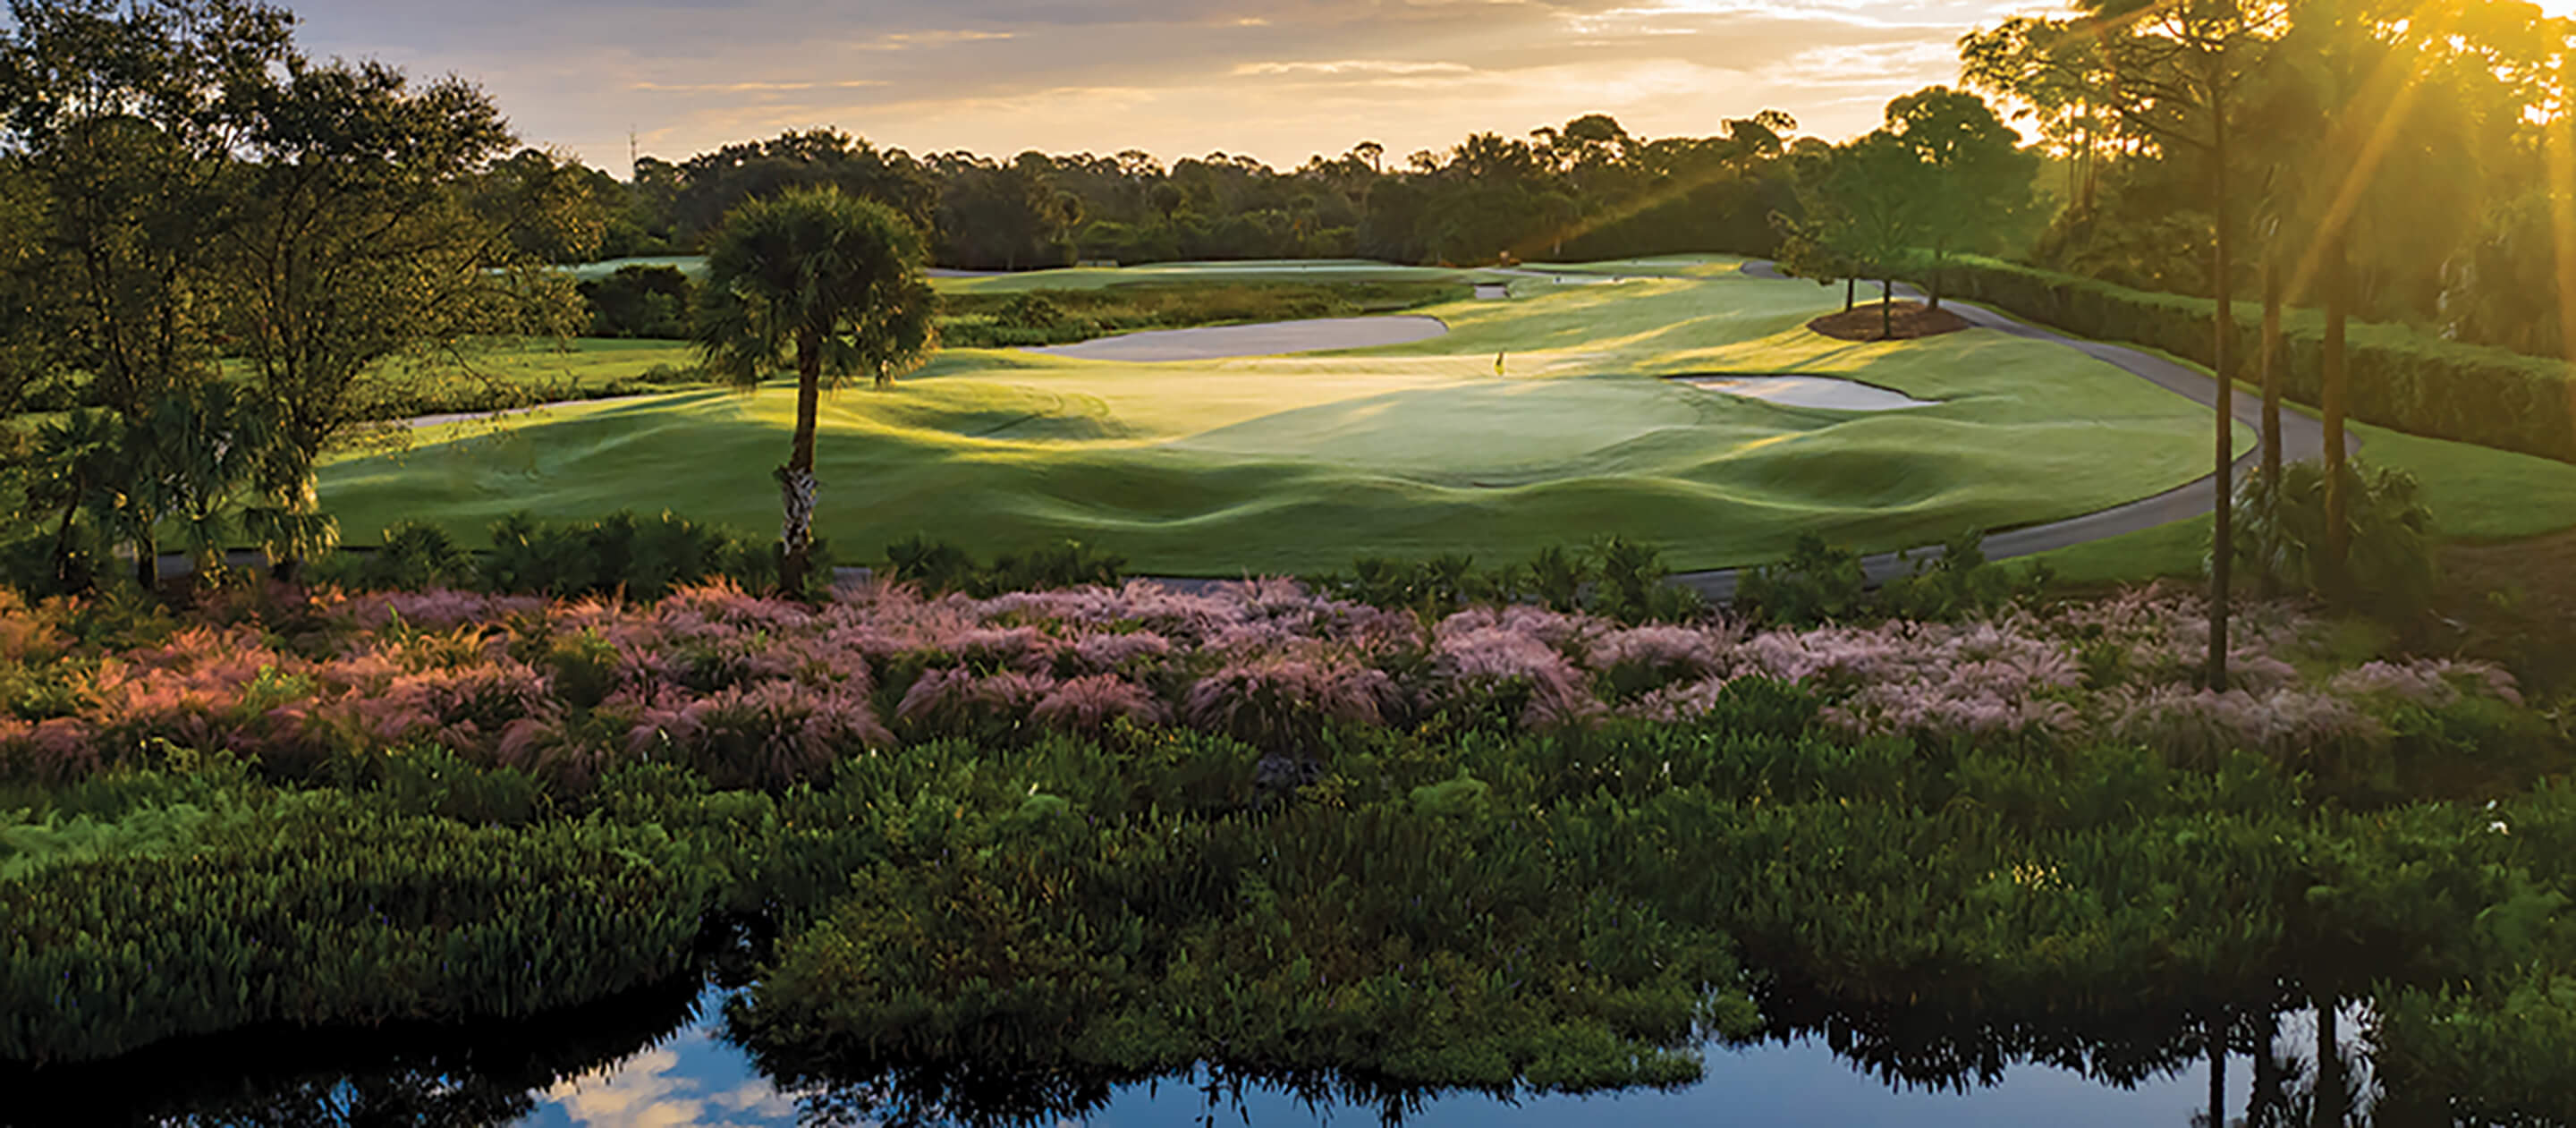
column 58, row 750
column 1091, row 702
column 767, row 735
column 1272, row 702
column 1103, row 653
column 960, row 700
column 1497, row 665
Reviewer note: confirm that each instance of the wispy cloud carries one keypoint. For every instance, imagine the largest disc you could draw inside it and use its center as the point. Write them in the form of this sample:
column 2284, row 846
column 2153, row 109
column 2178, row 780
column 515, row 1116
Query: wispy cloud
column 1278, row 79
column 1352, row 67
column 753, row 87
column 915, row 40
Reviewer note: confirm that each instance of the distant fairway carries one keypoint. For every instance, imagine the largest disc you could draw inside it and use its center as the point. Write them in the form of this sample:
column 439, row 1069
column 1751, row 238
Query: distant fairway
column 1293, row 464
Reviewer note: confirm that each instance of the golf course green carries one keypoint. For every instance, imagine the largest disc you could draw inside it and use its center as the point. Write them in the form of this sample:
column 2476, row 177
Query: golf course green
column 1300, row 463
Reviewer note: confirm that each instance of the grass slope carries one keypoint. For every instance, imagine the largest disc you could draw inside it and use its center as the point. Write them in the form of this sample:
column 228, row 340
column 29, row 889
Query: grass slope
column 2477, row 495
column 1300, row 463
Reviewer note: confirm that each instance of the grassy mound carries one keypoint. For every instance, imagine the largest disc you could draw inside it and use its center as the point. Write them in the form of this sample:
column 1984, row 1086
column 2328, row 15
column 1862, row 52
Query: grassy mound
column 1300, row 463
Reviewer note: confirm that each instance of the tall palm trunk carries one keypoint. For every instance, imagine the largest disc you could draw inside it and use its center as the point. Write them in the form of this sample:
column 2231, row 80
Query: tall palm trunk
column 2333, row 405
column 2328, row 1109
column 2222, row 518
column 2218, row 1071
column 147, row 561
column 2263, row 1103
column 2271, row 367
column 796, row 485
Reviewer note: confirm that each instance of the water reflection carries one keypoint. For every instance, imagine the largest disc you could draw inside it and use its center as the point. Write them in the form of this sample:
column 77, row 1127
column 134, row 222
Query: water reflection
column 477, row 1074
column 659, row 1057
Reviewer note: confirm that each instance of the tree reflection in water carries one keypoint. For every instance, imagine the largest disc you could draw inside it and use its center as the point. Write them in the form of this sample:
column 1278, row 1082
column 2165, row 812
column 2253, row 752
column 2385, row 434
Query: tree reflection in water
column 500, row 1073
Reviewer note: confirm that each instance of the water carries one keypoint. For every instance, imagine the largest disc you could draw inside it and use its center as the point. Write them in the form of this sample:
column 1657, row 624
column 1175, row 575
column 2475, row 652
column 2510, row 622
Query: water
column 696, row 1078
column 657, row 1058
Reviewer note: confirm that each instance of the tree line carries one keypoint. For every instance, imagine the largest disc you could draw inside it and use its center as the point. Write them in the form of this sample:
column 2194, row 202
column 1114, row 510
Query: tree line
column 1586, row 190
column 216, row 240
column 2402, row 162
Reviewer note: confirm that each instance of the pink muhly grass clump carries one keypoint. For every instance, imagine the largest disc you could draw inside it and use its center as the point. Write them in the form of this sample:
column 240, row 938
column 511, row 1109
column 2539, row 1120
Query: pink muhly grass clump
column 2430, row 683
column 53, row 751
column 465, row 710
column 1674, row 652
column 2198, row 726
column 1027, row 649
column 1499, row 666
column 1271, row 701
column 1678, row 702
column 1554, row 628
column 1089, row 703
column 766, row 735
column 719, row 601
column 1102, row 653
column 961, row 700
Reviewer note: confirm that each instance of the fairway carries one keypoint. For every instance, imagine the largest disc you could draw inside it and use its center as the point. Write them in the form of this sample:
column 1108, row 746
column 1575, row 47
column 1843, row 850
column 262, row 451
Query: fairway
column 1299, row 463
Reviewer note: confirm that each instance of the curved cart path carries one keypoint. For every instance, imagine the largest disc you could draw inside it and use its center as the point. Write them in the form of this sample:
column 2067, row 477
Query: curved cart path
column 2301, row 437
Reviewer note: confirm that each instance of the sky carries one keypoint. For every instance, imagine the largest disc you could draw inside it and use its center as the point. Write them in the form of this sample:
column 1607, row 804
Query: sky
column 1278, row 80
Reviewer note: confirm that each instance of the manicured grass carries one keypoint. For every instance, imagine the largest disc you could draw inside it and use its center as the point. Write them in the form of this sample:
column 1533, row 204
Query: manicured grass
column 2476, row 494
column 591, row 271
column 510, row 373
column 1297, row 464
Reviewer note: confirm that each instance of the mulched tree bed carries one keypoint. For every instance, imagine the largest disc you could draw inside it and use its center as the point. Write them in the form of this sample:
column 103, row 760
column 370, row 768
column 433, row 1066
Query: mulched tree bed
column 1910, row 320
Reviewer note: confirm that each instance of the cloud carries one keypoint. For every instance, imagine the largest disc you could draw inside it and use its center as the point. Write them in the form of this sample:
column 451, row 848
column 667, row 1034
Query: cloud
column 912, row 40
column 752, row 87
column 652, row 1090
column 1352, row 66
column 1278, row 79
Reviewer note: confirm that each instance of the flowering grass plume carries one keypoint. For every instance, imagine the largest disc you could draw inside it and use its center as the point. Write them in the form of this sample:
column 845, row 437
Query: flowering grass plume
column 762, row 692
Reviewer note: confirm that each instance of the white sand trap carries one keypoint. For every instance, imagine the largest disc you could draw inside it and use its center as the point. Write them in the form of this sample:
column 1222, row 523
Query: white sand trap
column 1809, row 391
column 1492, row 292
column 1273, row 339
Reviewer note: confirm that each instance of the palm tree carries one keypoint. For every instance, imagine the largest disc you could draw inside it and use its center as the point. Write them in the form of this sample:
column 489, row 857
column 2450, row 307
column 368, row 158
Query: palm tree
column 835, row 281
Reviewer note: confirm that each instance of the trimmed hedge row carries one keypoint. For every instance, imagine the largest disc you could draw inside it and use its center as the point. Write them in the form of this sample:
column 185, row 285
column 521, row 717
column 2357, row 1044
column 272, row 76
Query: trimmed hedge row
column 2400, row 378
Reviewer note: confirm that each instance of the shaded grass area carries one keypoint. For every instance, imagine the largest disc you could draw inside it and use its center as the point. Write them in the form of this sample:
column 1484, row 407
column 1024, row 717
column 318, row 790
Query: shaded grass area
column 1297, row 464
column 499, row 374
column 2478, row 496
column 994, row 319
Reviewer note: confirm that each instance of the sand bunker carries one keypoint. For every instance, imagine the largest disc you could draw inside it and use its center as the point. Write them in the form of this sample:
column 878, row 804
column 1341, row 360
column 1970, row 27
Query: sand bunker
column 1808, row 391
column 1273, row 339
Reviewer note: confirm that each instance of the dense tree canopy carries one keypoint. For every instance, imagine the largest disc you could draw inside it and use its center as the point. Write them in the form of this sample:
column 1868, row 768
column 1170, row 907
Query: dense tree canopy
column 1588, row 189
column 222, row 242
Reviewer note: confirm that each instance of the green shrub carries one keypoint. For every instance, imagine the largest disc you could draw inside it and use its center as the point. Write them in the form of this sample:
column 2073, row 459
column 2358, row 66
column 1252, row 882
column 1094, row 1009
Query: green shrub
column 2392, row 562
column 1956, row 583
column 2399, row 378
column 641, row 301
column 938, row 566
column 1615, row 578
column 1818, row 583
column 414, row 557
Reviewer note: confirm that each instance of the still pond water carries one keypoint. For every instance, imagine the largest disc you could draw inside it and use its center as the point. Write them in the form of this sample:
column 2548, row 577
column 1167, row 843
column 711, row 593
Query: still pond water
column 660, row 1060
column 697, row 1078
